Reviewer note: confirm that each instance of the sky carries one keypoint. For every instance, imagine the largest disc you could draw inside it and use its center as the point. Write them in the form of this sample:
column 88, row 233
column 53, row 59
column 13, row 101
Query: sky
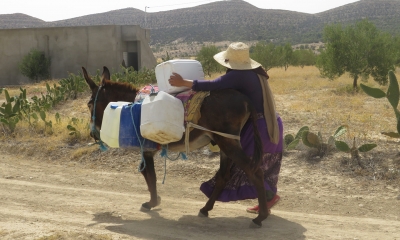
column 53, row 10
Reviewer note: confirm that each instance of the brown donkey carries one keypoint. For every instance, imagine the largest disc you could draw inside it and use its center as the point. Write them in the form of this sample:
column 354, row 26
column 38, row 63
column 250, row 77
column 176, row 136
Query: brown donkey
column 223, row 111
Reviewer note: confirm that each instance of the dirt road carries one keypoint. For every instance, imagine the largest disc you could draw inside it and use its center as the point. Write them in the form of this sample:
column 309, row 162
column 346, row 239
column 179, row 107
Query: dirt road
column 69, row 200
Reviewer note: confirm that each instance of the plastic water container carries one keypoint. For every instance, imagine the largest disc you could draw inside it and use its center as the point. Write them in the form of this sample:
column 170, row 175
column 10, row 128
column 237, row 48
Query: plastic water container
column 129, row 129
column 188, row 69
column 109, row 132
column 162, row 119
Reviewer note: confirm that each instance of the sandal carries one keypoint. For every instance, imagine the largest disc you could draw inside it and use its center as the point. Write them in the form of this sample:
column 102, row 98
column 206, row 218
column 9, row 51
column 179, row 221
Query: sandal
column 253, row 209
column 274, row 200
column 270, row 204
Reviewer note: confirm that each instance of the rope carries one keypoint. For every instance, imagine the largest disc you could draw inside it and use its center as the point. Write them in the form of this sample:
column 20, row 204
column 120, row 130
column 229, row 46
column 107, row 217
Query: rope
column 142, row 161
column 164, row 154
column 190, row 124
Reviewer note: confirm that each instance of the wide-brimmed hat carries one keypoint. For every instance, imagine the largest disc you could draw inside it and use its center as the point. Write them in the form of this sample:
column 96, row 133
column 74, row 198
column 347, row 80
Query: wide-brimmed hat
column 237, row 57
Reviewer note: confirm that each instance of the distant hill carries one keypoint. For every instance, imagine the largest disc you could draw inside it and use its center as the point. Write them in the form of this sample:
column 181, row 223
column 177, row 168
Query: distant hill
column 234, row 20
column 385, row 14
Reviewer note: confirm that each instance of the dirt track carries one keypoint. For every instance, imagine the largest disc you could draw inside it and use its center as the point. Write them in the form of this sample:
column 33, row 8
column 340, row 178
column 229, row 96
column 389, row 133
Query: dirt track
column 77, row 201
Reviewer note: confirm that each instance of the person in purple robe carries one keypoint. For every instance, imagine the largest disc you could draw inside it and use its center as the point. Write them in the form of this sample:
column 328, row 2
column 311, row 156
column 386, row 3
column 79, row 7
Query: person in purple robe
column 249, row 78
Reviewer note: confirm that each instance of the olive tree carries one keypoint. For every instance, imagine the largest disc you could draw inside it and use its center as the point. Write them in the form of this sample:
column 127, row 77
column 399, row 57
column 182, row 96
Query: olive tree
column 397, row 50
column 303, row 57
column 205, row 57
column 360, row 50
column 286, row 52
column 267, row 54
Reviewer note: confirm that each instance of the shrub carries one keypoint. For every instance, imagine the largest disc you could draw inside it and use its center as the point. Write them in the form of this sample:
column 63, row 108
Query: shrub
column 35, row 65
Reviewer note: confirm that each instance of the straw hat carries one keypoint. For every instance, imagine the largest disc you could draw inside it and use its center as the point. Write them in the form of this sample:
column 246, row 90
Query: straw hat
column 236, row 57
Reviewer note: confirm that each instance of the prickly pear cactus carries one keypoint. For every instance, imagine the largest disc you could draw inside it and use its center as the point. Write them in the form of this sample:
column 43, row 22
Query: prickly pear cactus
column 291, row 142
column 10, row 111
column 288, row 139
column 311, row 139
column 354, row 151
column 392, row 95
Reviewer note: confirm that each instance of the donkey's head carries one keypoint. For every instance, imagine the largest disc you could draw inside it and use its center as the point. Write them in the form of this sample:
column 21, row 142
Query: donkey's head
column 104, row 93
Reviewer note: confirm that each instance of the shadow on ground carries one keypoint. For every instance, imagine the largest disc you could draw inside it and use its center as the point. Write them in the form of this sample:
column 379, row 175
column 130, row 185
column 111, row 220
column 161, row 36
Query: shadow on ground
column 194, row 227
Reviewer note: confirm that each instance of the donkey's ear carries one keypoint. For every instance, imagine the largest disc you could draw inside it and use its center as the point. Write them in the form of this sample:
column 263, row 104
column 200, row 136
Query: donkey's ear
column 106, row 74
column 89, row 81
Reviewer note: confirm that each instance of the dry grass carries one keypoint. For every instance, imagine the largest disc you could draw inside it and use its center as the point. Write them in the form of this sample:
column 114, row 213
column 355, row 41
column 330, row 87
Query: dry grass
column 28, row 139
column 305, row 98
column 34, row 89
column 58, row 132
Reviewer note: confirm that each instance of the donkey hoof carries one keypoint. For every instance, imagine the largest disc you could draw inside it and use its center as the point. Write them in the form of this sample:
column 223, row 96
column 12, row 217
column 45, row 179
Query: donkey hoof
column 145, row 207
column 254, row 224
column 202, row 214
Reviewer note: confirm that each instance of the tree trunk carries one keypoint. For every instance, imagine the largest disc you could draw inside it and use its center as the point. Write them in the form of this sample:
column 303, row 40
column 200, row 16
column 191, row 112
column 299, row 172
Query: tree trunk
column 355, row 83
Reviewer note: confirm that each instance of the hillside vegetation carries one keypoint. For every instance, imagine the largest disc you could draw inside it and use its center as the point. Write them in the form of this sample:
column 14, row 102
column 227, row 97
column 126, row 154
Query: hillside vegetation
column 234, row 20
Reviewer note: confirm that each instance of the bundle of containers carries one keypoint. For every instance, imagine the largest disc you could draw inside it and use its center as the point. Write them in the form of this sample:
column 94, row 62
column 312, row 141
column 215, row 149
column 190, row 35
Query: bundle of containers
column 161, row 115
column 121, row 126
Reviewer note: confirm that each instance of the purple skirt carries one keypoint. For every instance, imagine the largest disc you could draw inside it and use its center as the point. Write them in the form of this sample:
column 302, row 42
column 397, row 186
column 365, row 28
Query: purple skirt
column 239, row 186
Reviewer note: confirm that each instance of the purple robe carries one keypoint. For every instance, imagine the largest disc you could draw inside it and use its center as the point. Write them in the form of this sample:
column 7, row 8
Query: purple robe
column 239, row 186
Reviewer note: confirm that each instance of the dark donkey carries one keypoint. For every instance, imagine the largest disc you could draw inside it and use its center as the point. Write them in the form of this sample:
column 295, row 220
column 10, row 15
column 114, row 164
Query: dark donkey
column 223, row 111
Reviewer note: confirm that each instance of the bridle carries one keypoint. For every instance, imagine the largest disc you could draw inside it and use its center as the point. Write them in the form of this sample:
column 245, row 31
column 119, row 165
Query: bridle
column 93, row 129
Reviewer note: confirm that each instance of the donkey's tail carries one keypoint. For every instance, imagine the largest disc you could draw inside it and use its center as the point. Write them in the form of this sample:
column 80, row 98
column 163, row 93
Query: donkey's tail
column 258, row 147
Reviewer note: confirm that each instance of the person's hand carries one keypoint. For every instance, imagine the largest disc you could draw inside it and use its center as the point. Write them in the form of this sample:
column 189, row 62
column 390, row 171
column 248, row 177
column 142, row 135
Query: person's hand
column 176, row 80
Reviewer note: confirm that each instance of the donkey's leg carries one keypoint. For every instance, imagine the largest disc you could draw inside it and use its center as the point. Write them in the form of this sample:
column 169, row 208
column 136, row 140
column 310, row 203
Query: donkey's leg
column 151, row 181
column 234, row 151
column 222, row 177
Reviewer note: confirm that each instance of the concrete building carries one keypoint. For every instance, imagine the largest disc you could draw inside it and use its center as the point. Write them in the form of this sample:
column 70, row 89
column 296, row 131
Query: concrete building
column 70, row 48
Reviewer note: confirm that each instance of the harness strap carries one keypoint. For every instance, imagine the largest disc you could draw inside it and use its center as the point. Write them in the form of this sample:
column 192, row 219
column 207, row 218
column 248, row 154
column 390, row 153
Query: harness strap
column 93, row 128
column 190, row 124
